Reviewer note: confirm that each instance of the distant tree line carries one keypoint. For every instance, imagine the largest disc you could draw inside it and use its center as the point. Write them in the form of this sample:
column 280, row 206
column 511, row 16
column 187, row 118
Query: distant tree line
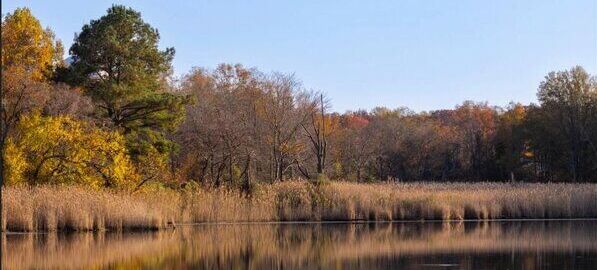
column 112, row 115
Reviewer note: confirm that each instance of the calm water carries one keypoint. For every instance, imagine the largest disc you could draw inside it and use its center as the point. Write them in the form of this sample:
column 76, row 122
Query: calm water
column 468, row 245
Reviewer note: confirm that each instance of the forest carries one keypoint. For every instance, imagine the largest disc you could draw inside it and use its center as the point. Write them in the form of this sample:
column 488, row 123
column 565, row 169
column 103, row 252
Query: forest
column 112, row 115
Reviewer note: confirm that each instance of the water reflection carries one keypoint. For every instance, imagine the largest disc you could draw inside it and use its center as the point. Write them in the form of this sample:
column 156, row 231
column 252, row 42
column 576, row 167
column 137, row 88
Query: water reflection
column 489, row 245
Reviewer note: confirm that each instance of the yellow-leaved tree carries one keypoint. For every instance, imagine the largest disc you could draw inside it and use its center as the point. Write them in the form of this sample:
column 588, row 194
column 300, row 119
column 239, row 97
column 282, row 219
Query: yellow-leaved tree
column 61, row 150
column 25, row 43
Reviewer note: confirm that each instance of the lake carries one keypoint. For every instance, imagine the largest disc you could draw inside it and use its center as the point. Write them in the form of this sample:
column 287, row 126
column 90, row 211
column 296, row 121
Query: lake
column 405, row 245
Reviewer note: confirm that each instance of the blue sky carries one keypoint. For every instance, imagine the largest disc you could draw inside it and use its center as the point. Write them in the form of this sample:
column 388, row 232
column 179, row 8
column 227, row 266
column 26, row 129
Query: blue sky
column 425, row 55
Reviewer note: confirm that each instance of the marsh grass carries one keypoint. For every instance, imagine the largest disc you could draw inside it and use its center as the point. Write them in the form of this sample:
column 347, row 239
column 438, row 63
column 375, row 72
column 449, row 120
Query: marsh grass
column 80, row 209
column 74, row 208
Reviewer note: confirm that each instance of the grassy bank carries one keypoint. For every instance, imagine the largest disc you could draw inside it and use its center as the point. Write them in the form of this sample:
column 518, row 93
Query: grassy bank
column 74, row 208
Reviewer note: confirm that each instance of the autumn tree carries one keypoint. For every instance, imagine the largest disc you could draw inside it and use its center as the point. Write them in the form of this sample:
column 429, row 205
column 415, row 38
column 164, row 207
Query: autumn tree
column 512, row 151
column 410, row 146
column 387, row 128
column 476, row 123
column 563, row 127
column 283, row 109
column 219, row 131
column 61, row 150
column 195, row 136
column 317, row 132
column 353, row 147
column 245, row 126
column 426, row 148
column 117, row 60
column 20, row 94
column 25, row 43
column 29, row 56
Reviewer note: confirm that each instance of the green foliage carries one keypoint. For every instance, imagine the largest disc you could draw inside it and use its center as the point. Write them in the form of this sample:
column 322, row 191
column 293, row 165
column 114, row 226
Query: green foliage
column 116, row 58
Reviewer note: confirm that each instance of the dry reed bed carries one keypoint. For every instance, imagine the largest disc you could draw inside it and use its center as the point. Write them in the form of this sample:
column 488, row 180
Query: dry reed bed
column 75, row 208
column 342, row 201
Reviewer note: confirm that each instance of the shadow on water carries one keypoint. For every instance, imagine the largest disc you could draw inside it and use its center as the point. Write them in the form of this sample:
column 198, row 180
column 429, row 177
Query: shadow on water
column 464, row 245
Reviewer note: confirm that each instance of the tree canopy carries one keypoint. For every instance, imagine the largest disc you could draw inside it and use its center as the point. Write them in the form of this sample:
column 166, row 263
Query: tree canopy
column 61, row 150
column 25, row 43
column 114, row 117
column 117, row 60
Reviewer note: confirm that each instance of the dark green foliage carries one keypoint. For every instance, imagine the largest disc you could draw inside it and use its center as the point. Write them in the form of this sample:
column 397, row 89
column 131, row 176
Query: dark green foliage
column 117, row 59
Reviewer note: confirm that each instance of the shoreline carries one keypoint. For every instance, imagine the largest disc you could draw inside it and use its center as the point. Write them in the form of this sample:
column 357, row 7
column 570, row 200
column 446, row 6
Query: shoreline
column 51, row 208
column 381, row 221
column 274, row 223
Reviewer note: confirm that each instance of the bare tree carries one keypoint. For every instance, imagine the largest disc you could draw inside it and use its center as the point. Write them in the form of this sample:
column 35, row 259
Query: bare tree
column 318, row 129
column 283, row 118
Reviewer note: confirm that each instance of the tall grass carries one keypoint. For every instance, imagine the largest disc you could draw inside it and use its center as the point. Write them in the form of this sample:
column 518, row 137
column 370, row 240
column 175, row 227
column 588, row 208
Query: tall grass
column 75, row 208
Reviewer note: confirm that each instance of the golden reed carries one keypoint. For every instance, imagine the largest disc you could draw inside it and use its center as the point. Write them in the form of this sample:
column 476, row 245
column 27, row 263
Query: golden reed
column 51, row 208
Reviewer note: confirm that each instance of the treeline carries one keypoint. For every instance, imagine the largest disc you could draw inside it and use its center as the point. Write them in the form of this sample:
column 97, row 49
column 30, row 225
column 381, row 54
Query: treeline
column 112, row 115
column 268, row 126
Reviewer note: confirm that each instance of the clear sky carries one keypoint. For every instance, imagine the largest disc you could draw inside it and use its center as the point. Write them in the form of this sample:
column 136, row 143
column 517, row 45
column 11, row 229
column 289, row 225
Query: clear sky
column 425, row 55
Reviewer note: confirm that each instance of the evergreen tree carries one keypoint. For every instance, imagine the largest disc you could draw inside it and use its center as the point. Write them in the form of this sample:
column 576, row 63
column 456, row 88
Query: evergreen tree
column 117, row 59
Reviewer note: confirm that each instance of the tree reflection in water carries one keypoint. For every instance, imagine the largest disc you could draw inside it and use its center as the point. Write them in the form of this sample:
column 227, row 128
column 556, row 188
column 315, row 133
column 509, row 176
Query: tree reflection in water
column 464, row 245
